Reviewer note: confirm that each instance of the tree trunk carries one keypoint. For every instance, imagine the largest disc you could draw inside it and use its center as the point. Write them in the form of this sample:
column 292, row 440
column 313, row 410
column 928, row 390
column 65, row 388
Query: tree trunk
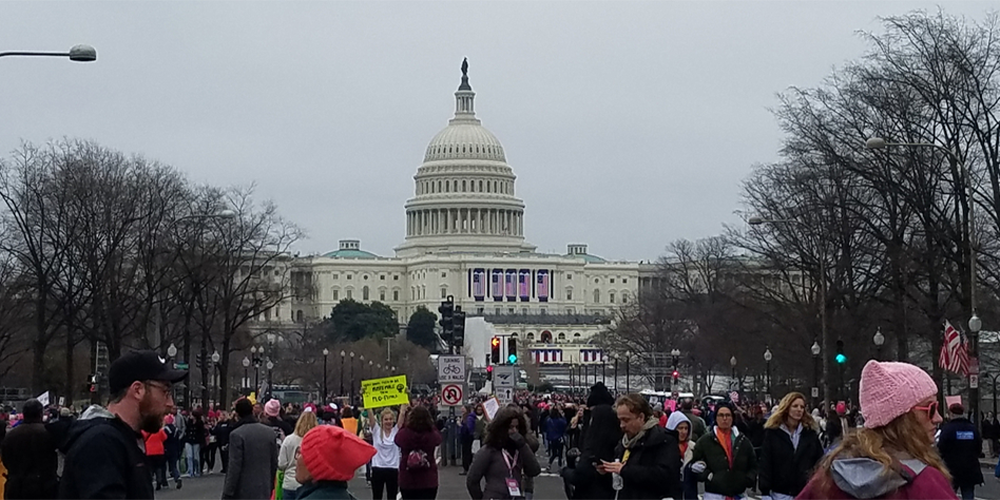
column 68, row 390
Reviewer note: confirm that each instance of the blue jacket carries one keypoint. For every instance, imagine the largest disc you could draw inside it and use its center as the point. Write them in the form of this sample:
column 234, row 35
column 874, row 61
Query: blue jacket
column 555, row 429
column 469, row 425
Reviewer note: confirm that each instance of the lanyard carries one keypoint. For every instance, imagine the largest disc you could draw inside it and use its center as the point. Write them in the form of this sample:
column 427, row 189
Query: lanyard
column 510, row 461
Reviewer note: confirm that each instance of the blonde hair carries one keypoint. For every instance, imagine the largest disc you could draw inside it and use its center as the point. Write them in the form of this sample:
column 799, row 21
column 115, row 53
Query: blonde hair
column 784, row 407
column 905, row 435
column 305, row 422
column 387, row 411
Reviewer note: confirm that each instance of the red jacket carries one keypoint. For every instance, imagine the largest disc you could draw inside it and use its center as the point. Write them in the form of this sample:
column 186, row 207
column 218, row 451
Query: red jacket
column 917, row 481
column 154, row 442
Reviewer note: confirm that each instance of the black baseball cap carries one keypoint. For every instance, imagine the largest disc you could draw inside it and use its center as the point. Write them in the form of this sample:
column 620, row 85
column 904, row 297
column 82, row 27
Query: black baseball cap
column 141, row 366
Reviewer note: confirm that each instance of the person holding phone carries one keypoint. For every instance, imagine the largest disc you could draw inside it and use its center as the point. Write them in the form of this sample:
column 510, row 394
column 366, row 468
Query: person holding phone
column 648, row 457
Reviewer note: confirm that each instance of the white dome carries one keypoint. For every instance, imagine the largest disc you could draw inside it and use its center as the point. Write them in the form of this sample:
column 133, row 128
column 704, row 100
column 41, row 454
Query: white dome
column 464, row 140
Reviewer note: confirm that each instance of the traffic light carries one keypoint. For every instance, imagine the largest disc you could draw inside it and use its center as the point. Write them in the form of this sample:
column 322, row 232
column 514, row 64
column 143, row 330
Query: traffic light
column 677, row 375
column 489, row 372
column 458, row 327
column 841, row 358
column 495, row 350
column 512, row 350
column 447, row 311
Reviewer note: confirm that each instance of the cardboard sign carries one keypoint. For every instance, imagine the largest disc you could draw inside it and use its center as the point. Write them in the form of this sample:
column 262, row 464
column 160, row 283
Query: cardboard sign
column 491, row 407
column 387, row 391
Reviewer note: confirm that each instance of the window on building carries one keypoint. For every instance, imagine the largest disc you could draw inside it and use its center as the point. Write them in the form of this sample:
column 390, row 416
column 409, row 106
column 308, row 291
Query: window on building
column 531, row 337
column 524, row 311
column 439, row 186
column 382, row 277
column 480, row 310
column 336, row 276
column 576, row 336
column 336, row 294
column 364, row 293
column 611, row 297
column 349, row 277
column 597, row 296
column 480, row 186
column 541, row 311
column 569, row 294
column 597, row 280
column 350, row 294
column 463, row 186
column 569, row 276
column 624, row 280
column 365, row 277
column 624, row 298
column 510, row 310
column 561, row 337
column 267, row 315
column 381, row 295
column 612, row 280
column 444, row 275
column 498, row 311
column 395, row 295
column 546, row 337
column 514, row 335
column 444, row 293
column 395, row 277
column 299, row 316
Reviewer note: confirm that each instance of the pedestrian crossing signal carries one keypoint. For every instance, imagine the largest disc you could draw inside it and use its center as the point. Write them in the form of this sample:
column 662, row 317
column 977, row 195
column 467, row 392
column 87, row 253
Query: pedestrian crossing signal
column 841, row 358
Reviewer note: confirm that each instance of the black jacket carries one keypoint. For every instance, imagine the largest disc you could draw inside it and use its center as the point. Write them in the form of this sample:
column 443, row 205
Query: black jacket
column 726, row 480
column 29, row 453
column 104, row 460
column 785, row 469
column 653, row 467
column 603, row 433
column 960, row 445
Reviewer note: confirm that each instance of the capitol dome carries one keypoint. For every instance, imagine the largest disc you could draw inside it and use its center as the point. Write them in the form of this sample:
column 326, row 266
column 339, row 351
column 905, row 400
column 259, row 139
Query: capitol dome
column 465, row 140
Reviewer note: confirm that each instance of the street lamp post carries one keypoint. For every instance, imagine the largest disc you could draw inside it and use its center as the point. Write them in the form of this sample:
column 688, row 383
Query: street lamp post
column 246, row 375
column 628, row 381
column 767, row 373
column 342, row 354
column 326, row 354
column 215, row 366
column 352, row 377
column 878, row 339
column 78, row 53
column 370, row 368
column 270, row 367
column 616, row 376
column 675, row 355
column 975, row 324
column 732, row 364
column 815, row 392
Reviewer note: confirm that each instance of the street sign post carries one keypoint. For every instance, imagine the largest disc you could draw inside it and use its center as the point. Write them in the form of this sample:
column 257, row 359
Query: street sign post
column 973, row 381
column 815, row 392
column 451, row 369
column 505, row 395
column 452, row 395
column 503, row 376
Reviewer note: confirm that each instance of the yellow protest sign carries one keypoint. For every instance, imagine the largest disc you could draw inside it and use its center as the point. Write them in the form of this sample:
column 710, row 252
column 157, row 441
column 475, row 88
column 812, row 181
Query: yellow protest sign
column 388, row 391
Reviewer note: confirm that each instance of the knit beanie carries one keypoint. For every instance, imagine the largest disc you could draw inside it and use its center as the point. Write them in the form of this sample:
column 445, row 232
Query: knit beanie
column 332, row 454
column 889, row 390
column 272, row 408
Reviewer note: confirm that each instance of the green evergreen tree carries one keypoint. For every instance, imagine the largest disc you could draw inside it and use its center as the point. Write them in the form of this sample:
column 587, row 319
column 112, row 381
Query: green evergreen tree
column 420, row 329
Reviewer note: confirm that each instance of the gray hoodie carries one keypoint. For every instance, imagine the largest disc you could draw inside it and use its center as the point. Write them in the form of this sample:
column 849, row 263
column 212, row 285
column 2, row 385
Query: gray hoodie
column 866, row 478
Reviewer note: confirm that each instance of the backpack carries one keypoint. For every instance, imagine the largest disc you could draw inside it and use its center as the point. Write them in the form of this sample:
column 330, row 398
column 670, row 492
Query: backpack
column 417, row 460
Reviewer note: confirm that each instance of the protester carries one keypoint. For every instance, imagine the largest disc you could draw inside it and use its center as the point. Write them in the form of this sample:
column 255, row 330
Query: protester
column 348, row 422
column 991, row 433
column 289, row 450
column 417, row 438
column 172, row 447
column 29, row 453
column 555, row 432
column 221, row 432
column 272, row 418
column 960, row 445
column 838, row 423
column 330, row 455
column 253, row 457
column 385, row 463
column 679, row 423
column 647, row 458
column 790, row 451
column 724, row 459
column 504, row 461
column 194, row 439
column 698, row 427
column 893, row 455
column 466, row 434
column 602, row 434
column 140, row 385
column 156, row 455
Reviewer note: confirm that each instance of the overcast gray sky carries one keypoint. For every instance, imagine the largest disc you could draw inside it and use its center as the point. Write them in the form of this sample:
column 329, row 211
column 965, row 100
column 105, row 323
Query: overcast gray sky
column 629, row 124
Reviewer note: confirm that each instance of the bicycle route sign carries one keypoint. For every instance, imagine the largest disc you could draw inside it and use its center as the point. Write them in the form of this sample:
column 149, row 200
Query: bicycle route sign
column 451, row 369
column 451, row 395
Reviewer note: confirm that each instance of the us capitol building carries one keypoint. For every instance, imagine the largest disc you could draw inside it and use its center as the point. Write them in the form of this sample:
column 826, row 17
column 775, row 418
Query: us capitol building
column 465, row 238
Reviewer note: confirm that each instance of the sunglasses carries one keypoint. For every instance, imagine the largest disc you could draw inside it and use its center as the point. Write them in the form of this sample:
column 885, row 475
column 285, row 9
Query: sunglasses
column 931, row 409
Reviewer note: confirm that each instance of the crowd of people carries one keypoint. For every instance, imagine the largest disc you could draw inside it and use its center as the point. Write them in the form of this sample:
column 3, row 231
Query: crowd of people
column 893, row 444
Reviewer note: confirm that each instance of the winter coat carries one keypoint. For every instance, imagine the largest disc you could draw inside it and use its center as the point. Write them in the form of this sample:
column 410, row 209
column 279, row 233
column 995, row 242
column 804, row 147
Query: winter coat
column 866, row 478
column 29, row 453
column 409, row 440
column 489, row 463
column 719, row 478
column 195, row 432
column 652, row 468
column 784, row 468
column 253, row 461
column 555, row 429
column 155, row 442
column 599, row 441
column 325, row 490
column 104, row 459
column 173, row 444
column 960, row 446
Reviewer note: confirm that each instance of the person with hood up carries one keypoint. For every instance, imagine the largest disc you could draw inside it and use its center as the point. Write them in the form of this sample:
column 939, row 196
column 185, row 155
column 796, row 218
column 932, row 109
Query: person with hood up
column 893, row 455
column 724, row 459
column 253, row 457
column 960, row 445
column 103, row 456
column 505, row 461
column 29, row 453
column 648, row 456
column 698, row 427
column 679, row 423
column 328, row 458
column 790, row 451
column 601, row 435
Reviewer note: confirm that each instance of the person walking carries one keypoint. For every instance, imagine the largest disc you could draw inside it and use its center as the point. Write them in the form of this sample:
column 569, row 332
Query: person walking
column 600, row 435
column 893, row 455
column 677, row 422
column 289, row 450
column 648, row 457
column 385, row 463
column 698, row 427
column 724, row 459
column 466, row 434
column 172, row 448
column 417, row 438
column 555, row 433
column 960, row 444
column 29, row 453
column 253, row 457
column 103, row 457
column 505, row 461
column 790, row 450
column 991, row 433
column 156, row 455
column 330, row 455
column 221, row 432
column 194, row 439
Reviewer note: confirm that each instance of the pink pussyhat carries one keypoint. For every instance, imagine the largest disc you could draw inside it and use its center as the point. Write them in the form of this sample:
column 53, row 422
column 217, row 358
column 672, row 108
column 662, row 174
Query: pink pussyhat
column 889, row 390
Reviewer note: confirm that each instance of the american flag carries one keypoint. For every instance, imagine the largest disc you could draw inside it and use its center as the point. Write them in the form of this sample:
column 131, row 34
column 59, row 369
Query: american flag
column 497, row 289
column 543, row 284
column 478, row 290
column 954, row 352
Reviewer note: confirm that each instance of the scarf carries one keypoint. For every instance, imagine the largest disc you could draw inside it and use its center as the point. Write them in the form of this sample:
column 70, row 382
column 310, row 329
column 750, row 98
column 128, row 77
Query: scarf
column 628, row 442
column 726, row 440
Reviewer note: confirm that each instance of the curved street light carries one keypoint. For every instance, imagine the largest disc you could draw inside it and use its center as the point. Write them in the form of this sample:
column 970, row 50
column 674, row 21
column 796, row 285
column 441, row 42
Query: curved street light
column 78, row 53
column 172, row 350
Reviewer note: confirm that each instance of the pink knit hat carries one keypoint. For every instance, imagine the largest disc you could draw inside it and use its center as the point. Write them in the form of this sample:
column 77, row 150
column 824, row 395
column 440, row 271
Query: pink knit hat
column 272, row 408
column 888, row 390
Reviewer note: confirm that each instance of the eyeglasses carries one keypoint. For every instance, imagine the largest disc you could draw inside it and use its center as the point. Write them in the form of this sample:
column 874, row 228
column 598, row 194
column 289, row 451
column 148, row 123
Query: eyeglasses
column 165, row 389
column 931, row 409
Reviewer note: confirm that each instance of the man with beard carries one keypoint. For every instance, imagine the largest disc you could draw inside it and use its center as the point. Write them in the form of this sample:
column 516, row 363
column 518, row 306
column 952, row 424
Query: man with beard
column 104, row 456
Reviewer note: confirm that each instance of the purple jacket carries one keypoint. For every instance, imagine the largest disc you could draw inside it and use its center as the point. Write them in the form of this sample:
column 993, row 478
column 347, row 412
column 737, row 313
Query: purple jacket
column 409, row 440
